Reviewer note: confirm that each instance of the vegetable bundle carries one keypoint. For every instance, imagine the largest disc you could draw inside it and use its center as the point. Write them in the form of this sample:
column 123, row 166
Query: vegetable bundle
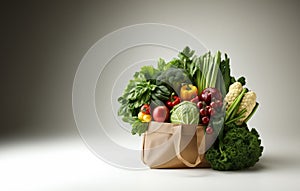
column 193, row 89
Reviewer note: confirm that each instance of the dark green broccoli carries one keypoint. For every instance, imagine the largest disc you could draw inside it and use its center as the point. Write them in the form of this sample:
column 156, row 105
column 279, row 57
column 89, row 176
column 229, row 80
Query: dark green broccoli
column 174, row 77
column 239, row 149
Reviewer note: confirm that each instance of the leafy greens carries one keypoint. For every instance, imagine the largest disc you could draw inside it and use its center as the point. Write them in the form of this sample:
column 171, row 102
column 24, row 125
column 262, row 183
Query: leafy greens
column 239, row 149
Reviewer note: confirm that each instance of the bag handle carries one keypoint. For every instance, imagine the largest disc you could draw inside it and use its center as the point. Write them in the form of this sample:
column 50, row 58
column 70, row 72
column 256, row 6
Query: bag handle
column 177, row 140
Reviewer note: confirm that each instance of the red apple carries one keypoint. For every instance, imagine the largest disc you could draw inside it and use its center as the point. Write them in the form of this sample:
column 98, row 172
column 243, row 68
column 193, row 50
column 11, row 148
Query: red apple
column 160, row 113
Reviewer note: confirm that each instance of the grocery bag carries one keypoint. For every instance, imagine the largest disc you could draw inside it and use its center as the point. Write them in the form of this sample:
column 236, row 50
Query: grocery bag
column 168, row 145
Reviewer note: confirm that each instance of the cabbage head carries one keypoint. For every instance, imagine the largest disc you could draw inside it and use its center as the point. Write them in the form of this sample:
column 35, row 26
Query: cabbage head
column 185, row 112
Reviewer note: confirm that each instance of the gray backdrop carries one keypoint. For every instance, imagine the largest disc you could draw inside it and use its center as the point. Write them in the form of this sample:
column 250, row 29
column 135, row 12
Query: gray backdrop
column 42, row 43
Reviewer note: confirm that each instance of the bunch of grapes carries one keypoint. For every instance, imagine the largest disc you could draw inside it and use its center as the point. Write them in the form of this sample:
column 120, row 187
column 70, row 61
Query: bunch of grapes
column 210, row 107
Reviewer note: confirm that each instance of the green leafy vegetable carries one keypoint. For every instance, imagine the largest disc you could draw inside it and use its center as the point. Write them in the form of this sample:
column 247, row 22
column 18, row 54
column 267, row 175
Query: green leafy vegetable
column 242, row 80
column 149, row 72
column 139, row 127
column 186, row 57
column 142, row 89
column 227, row 78
column 225, row 70
column 161, row 64
column 185, row 112
column 174, row 77
column 239, row 149
column 135, row 95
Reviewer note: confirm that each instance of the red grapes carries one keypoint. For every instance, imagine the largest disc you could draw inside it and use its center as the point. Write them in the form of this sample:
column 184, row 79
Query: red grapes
column 210, row 102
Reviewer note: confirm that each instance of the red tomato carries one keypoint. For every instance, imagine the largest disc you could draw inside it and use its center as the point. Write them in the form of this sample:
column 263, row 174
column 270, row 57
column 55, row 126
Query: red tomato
column 145, row 109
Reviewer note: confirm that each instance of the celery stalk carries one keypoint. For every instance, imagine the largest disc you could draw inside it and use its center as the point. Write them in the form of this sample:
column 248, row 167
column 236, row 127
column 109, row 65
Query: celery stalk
column 217, row 61
column 210, row 64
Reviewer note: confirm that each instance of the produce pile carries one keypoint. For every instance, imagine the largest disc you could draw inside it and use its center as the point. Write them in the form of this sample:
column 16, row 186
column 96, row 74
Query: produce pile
column 193, row 89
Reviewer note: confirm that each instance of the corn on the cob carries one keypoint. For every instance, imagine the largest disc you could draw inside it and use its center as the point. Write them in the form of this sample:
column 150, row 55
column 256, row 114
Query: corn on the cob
column 248, row 102
column 234, row 91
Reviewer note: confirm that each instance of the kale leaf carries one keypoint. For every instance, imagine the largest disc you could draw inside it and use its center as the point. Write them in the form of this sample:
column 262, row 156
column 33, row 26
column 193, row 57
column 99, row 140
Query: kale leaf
column 239, row 149
column 227, row 78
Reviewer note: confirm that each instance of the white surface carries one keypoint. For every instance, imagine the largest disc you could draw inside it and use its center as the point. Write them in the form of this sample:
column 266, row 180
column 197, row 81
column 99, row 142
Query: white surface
column 67, row 164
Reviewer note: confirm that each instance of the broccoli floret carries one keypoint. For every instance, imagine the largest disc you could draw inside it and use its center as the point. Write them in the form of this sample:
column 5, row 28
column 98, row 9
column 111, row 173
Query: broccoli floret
column 239, row 149
column 174, row 77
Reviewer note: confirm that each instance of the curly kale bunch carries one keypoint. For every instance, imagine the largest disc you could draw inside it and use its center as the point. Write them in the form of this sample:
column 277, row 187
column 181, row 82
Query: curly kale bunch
column 239, row 149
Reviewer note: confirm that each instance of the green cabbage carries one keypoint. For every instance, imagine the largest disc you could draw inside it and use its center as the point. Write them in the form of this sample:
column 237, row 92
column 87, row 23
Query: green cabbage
column 185, row 112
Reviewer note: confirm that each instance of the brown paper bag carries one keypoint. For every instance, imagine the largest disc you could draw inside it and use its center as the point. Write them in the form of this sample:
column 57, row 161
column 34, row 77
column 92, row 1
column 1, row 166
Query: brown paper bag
column 167, row 145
